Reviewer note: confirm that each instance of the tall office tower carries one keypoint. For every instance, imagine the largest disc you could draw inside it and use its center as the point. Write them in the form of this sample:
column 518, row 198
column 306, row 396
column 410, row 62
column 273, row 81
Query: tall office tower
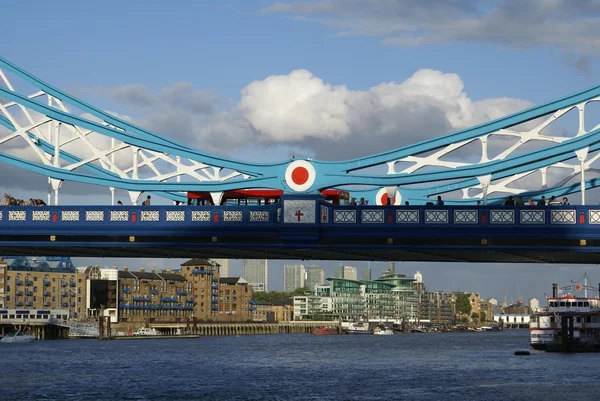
column 366, row 274
column 350, row 273
column 256, row 273
column 339, row 272
column 224, row 267
column 293, row 277
column 314, row 276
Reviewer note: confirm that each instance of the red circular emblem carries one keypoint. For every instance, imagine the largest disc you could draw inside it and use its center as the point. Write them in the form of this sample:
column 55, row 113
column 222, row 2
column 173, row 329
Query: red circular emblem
column 578, row 287
column 300, row 175
column 384, row 199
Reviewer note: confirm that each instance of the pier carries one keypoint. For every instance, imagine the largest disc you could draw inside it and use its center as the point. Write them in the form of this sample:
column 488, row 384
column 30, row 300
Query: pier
column 224, row 329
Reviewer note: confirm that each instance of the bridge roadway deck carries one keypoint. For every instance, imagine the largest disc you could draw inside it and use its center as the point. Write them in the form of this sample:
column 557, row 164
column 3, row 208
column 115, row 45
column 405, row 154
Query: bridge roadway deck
column 308, row 229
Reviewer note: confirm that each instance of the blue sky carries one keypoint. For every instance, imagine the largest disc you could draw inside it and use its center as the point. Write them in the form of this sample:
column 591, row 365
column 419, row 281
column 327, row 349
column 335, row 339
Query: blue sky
column 122, row 56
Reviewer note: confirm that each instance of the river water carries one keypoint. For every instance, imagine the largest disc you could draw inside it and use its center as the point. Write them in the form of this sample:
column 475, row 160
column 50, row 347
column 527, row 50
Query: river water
column 435, row 366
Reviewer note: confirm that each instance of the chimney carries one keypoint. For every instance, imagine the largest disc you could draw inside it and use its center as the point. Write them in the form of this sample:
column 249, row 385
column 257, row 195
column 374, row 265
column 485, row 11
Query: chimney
column 125, row 269
column 115, row 267
column 554, row 290
column 153, row 270
column 142, row 270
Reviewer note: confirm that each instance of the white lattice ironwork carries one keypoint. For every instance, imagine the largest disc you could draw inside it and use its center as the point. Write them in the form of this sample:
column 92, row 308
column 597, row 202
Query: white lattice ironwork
column 279, row 215
column 69, row 215
column 594, row 217
column 503, row 144
column 259, row 216
column 1, row 215
column 465, row 216
column 93, row 148
column 533, row 217
column 562, row 217
column 407, row 216
column 344, row 216
column 372, row 216
column 94, row 215
column 232, row 215
column 436, row 216
column 324, row 214
column 175, row 215
column 149, row 215
column 502, row 216
column 200, row 215
column 119, row 215
column 40, row 215
column 16, row 215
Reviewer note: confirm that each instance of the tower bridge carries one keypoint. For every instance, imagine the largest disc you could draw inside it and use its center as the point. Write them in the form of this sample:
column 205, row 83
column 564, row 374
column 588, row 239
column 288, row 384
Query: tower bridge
column 522, row 154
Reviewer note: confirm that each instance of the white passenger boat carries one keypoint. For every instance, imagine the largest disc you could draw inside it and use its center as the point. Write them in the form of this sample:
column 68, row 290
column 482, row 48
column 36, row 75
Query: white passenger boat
column 358, row 328
column 570, row 322
column 17, row 337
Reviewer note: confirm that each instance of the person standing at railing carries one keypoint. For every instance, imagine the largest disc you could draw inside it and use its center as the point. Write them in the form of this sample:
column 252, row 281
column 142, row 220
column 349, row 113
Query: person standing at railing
column 542, row 202
column 440, row 201
column 147, row 201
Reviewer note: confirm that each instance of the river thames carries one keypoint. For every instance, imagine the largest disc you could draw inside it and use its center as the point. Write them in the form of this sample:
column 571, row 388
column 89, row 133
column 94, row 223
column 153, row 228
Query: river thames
column 436, row 366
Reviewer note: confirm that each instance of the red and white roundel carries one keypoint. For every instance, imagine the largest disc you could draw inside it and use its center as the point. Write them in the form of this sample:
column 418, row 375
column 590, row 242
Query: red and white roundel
column 300, row 175
column 382, row 197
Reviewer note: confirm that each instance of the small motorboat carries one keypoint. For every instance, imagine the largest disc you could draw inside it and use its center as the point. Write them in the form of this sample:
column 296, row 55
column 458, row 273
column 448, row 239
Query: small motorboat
column 17, row 337
column 383, row 331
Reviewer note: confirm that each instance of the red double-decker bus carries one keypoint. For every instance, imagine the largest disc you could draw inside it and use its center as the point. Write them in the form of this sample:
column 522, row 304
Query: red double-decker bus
column 246, row 197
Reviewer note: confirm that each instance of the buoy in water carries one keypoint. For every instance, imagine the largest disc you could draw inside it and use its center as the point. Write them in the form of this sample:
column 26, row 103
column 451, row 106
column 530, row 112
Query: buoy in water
column 522, row 353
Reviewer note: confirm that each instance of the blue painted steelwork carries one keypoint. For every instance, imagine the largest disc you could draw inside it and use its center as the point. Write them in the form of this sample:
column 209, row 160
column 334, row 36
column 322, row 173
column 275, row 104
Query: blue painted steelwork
column 370, row 232
column 321, row 175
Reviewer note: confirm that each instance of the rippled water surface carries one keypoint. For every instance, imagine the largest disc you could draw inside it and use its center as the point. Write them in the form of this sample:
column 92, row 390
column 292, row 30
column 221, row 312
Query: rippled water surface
column 452, row 366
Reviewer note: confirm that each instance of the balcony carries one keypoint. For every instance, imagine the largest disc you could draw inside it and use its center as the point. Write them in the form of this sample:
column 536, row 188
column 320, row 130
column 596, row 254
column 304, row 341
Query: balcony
column 73, row 284
column 65, row 304
column 63, row 283
column 142, row 299
column 214, row 307
column 181, row 292
column 252, row 302
column 29, row 303
column 19, row 303
column 168, row 299
column 64, row 294
column 252, row 308
column 215, row 294
column 215, row 280
column 215, row 301
column 46, row 304
column 19, row 292
column 126, row 290
column 190, row 300
column 46, row 283
column 214, row 286
column 154, row 292
column 46, row 293
column 73, row 304
column 29, row 293
column 28, row 283
column 18, row 282
column 202, row 271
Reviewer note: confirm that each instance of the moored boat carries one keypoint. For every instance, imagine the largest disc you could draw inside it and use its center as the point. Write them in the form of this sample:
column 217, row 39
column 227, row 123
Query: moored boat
column 324, row 331
column 17, row 337
column 570, row 322
column 358, row 328
column 145, row 331
column 383, row 331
